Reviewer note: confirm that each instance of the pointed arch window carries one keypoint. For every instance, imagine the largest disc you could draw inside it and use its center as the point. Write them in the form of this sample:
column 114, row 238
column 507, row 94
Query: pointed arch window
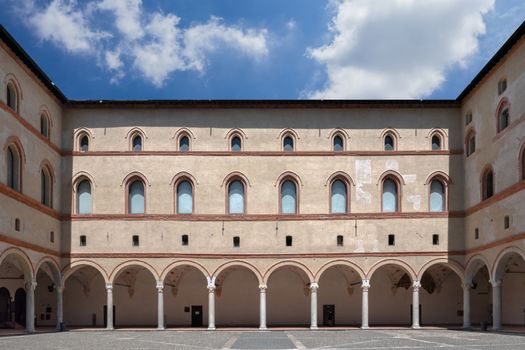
column 390, row 195
column 236, row 197
column 503, row 116
column 389, row 142
column 184, row 143
column 46, row 187
column 487, row 184
column 12, row 97
column 84, row 143
column 288, row 197
column 14, row 168
column 436, row 142
column 470, row 143
column 84, row 199
column 288, row 143
column 236, row 143
column 184, row 197
column 44, row 126
column 437, row 200
column 136, row 198
column 338, row 143
column 136, row 143
column 339, row 197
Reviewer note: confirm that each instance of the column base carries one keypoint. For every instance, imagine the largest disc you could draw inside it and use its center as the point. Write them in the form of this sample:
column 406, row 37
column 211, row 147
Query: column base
column 263, row 328
column 109, row 328
column 211, row 328
column 416, row 327
column 314, row 328
column 365, row 327
column 161, row 328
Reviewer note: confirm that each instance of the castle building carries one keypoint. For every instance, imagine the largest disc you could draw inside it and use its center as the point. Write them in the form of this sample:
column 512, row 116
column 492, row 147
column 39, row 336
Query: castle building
column 261, row 213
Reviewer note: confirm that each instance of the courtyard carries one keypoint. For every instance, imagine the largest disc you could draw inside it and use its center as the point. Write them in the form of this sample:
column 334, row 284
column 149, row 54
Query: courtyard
column 279, row 339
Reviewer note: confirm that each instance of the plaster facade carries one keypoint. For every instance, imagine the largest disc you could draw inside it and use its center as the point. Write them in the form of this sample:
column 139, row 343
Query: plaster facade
column 461, row 265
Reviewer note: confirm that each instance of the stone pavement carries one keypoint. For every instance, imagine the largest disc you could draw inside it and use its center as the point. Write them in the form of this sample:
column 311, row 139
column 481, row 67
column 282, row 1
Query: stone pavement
column 282, row 339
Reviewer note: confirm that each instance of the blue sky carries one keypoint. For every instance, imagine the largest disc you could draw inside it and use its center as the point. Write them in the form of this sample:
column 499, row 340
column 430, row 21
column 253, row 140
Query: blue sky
column 265, row 49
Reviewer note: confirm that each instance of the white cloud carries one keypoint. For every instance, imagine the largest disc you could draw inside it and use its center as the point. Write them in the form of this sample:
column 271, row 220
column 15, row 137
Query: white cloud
column 152, row 43
column 64, row 24
column 397, row 48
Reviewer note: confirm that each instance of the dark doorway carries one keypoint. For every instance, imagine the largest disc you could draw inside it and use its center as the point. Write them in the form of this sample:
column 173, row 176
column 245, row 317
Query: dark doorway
column 328, row 315
column 106, row 316
column 20, row 307
column 5, row 309
column 196, row 315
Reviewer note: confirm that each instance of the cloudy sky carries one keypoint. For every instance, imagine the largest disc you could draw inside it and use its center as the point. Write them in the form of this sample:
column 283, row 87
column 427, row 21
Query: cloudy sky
column 261, row 49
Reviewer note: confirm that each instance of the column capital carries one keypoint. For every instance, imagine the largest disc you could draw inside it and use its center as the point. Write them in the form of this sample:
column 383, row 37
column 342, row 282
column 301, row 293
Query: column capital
column 211, row 287
column 466, row 285
column 314, row 287
column 160, row 286
column 365, row 285
column 495, row 283
column 30, row 286
column 109, row 286
column 416, row 285
column 59, row 289
column 263, row 287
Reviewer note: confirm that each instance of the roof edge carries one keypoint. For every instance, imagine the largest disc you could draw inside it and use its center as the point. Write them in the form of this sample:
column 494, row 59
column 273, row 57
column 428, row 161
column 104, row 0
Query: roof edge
column 500, row 54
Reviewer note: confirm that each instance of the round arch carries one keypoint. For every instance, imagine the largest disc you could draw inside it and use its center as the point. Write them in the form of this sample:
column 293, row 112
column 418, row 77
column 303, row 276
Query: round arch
column 55, row 269
column 340, row 175
column 497, row 268
column 122, row 267
column 340, row 262
column 238, row 263
column 179, row 263
column 23, row 259
column 289, row 174
column 454, row 266
column 285, row 263
column 475, row 263
column 236, row 175
column 400, row 263
column 77, row 265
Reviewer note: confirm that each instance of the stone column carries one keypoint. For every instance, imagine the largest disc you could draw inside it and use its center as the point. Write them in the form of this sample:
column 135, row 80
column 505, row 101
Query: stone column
column 160, row 305
column 365, row 285
column 262, row 307
column 60, row 307
column 496, row 304
column 211, row 305
column 466, row 304
column 109, row 316
column 313, row 305
column 30, row 306
column 415, row 303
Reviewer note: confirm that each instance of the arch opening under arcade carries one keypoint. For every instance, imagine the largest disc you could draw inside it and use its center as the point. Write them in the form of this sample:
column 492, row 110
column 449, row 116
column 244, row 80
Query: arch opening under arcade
column 185, row 296
column 479, row 289
column 339, row 295
column 85, row 298
column 289, row 296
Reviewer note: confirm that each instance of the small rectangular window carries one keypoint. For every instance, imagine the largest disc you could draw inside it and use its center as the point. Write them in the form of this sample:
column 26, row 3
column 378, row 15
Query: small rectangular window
column 52, row 236
column 83, row 241
column 391, row 239
column 289, row 241
column 236, row 242
column 468, row 118
column 476, row 233
column 435, row 239
column 340, row 241
column 17, row 225
column 502, row 86
column 135, row 241
column 185, row 240
column 506, row 223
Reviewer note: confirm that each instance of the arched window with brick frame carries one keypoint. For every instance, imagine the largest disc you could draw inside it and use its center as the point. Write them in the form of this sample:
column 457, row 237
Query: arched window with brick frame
column 487, row 183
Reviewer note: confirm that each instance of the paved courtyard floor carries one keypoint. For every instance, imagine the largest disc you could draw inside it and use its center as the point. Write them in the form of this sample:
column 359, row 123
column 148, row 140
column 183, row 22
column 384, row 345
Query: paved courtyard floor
column 285, row 339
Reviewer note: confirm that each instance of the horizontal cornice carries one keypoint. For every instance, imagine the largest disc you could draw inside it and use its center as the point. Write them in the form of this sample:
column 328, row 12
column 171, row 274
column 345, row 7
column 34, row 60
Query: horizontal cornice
column 30, row 202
